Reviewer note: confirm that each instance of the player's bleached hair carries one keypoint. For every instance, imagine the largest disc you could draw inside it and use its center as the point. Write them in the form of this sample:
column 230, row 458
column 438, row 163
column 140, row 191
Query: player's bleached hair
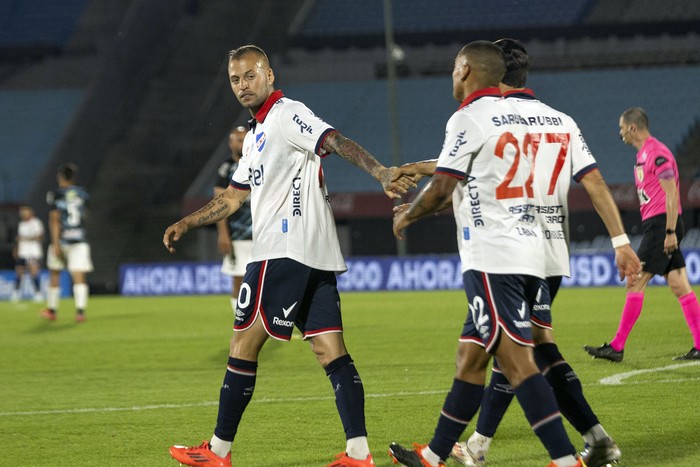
column 239, row 52
column 486, row 59
column 636, row 115
column 68, row 171
column 517, row 63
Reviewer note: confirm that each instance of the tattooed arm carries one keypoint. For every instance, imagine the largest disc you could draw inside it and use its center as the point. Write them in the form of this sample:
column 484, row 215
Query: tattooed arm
column 392, row 181
column 434, row 197
column 222, row 206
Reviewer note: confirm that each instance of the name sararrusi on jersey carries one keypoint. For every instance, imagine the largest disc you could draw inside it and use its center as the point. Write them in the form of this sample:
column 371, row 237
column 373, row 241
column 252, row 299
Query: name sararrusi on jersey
column 537, row 120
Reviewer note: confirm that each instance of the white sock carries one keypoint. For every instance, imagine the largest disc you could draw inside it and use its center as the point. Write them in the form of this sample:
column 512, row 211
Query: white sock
column 430, row 456
column 220, row 447
column 357, row 448
column 478, row 442
column 234, row 300
column 596, row 433
column 80, row 295
column 566, row 461
column 53, row 297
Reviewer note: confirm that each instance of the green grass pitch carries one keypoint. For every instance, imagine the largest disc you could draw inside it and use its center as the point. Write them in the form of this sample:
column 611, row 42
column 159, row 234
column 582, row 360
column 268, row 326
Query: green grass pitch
column 144, row 373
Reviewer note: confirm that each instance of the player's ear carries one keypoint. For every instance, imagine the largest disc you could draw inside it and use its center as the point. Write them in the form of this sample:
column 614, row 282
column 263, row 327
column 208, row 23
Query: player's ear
column 466, row 71
column 270, row 77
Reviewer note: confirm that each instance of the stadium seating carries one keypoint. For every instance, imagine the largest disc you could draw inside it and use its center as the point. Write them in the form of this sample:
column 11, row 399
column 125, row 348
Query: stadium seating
column 32, row 122
column 38, row 23
column 339, row 17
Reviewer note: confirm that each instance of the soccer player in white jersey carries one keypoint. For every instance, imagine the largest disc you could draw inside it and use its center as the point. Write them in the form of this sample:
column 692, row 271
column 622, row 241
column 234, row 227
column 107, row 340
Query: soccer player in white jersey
column 560, row 153
column 484, row 167
column 29, row 251
column 296, row 255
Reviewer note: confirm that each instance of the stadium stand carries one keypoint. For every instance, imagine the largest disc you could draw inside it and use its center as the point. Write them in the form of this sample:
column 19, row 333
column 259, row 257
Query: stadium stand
column 33, row 28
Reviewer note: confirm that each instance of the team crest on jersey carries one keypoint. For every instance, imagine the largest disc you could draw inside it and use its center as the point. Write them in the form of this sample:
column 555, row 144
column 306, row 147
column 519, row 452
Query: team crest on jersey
column 639, row 170
column 260, row 141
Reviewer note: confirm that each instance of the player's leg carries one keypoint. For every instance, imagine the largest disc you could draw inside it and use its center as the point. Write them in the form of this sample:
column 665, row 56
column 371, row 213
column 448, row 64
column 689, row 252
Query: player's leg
column 537, row 400
column 19, row 276
column 680, row 286
column 79, row 261
column 320, row 321
column 55, row 264
column 228, row 267
column 34, row 272
column 630, row 313
column 234, row 396
column 460, row 406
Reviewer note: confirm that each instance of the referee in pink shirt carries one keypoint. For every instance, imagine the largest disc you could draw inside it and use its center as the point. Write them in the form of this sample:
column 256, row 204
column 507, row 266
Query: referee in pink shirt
column 656, row 178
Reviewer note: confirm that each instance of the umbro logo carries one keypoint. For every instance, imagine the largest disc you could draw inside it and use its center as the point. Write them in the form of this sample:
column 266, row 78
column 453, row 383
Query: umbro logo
column 286, row 311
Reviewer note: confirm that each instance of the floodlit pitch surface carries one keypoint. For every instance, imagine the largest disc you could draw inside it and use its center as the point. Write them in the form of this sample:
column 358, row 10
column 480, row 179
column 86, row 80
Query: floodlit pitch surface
column 144, row 373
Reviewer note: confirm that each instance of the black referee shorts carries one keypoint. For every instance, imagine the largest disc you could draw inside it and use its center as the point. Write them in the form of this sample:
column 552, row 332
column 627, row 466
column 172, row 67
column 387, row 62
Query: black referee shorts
column 651, row 250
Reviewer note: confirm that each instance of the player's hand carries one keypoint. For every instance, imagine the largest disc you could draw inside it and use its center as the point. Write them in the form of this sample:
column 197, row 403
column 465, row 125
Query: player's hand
column 395, row 183
column 670, row 243
column 173, row 234
column 628, row 264
column 401, row 220
column 223, row 244
column 411, row 170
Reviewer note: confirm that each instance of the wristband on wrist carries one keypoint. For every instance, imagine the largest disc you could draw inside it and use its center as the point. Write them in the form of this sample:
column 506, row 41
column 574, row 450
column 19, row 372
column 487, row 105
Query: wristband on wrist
column 620, row 240
column 670, row 231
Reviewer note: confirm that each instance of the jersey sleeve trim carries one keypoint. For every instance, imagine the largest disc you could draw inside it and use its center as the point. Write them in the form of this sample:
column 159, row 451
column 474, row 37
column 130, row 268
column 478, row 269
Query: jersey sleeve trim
column 319, row 144
column 458, row 174
column 239, row 186
column 585, row 171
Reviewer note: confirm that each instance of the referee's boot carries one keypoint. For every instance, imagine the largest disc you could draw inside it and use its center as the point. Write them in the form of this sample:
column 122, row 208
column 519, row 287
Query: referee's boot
column 694, row 354
column 605, row 351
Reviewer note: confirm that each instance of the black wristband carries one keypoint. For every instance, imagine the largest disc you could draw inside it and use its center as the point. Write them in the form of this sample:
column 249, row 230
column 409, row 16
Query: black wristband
column 670, row 231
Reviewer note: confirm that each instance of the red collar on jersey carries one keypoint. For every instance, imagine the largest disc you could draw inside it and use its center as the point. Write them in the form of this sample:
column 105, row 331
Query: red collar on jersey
column 267, row 105
column 523, row 93
column 479, row 94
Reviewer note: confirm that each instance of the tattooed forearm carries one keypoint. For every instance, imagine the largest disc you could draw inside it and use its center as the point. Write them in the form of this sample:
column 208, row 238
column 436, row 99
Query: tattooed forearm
column 353, row 153
column 214, row 211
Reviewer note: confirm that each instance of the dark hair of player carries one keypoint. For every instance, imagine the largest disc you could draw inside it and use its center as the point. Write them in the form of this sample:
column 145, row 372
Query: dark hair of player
column 485, row 59
column 68, row 171
column 517, row 63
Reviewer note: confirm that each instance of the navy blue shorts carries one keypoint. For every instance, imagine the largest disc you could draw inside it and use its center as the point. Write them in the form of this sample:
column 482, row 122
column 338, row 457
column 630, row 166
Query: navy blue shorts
column 499, row 303
column 542, row 306
column 285, row 293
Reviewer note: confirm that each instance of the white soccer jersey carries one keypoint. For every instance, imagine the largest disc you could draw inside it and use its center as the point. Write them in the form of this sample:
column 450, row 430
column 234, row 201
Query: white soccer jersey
column 27, row 245
column 560, row 154
column 281, row 166
column 493, row 203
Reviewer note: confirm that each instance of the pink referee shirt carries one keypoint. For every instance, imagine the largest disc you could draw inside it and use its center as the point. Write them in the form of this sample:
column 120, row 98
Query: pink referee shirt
column 654, row 161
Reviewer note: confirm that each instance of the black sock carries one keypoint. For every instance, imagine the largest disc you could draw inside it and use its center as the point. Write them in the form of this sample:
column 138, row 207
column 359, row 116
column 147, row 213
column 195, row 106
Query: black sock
column 236, row 392
column 461, row 403
column 349, row 395
column 566, row 386
column 497, row 397
column 540, row 407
